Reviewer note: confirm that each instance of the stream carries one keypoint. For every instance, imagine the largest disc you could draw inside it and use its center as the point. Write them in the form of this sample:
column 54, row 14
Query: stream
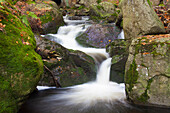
column 99, row 96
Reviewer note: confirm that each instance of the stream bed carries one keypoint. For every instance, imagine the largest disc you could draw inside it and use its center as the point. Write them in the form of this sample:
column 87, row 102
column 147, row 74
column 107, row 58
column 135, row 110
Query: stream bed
column 99, row 96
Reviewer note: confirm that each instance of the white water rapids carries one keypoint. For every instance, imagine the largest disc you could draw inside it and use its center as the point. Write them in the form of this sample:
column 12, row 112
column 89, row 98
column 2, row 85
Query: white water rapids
column 88, row 94
column 99, row 96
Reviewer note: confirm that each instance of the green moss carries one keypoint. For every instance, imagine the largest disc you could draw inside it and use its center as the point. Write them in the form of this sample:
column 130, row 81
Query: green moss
column 81, row 7
column 132, row 75
column 100, row 7
column 82, row 40
column 20, row 65
column 99, row 1
column 48, row 47
column 96, row 18
column 150, row 3
column 114, row 14
column 144, row 97
column 47, row 17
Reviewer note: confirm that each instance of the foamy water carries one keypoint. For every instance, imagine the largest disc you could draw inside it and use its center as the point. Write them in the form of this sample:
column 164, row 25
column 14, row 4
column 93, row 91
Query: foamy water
column 88, row 94
column 99, row 96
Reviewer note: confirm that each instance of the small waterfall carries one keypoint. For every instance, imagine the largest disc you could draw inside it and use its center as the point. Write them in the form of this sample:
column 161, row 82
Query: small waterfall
column 89, row 94
column 121, row 35
column 103, row 74
column 99, row 96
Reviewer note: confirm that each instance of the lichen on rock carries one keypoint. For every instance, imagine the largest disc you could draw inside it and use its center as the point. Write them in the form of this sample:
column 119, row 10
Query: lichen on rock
column 148, row 66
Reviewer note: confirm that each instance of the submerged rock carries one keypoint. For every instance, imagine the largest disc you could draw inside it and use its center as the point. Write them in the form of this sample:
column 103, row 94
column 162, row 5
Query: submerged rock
column 117, row 49
column 139, row 19
column 20, row 66
column 98, row 35
column 147, row 74
column 68, row 66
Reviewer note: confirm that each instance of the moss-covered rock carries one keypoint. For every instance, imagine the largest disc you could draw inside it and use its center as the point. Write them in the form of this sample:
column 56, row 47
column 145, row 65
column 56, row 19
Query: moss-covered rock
column 43, row 16
column 98, row 35
column 147, row 73
column 20, row 66
column 68, row 66
column 118, row 51
column 51, row 17
column 87, row 3
column 103, row 10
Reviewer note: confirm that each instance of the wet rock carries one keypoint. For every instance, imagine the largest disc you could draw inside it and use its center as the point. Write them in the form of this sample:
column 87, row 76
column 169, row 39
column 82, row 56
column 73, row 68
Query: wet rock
column 117, row 49
column 147, row 73
column 98, row 35
column 139, row 19
column 75, row 18
column 68, row 66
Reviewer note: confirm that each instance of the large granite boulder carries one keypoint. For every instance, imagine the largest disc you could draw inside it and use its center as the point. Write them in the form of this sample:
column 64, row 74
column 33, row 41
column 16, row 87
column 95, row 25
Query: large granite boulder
column 147, row 74
column 139, row 19
column 69, row 67
column 98, row 35
column 20, row 66
column 117, row 49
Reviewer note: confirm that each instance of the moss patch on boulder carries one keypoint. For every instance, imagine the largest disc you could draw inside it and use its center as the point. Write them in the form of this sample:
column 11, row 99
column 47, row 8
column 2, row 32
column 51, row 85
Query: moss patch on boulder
column 20, row 66
column 147, row 70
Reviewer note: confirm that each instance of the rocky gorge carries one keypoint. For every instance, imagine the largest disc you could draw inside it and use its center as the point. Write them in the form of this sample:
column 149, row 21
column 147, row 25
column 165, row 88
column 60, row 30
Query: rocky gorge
column 141, row 60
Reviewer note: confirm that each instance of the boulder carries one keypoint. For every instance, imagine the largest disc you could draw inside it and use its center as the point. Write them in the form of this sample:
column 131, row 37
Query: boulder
column 51, row 18
column 87, row 3
column 68, row 66
column 147, row 74
column 20, row 66
column 43, row 17
column 117, row 49
column 139, row 19
column 103, row 10
column 98, row 35
column 155, row 2
column 69, row 3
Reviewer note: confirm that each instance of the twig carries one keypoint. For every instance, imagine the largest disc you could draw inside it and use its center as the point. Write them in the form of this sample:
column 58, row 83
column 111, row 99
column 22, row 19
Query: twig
column 56, row 82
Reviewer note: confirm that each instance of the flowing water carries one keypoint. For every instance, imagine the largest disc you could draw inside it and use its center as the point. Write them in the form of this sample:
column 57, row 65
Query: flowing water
column 99, row 96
